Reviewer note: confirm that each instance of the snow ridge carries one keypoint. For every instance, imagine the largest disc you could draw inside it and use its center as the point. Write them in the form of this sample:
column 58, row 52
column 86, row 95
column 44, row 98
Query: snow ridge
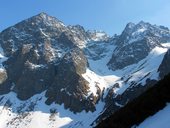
column 98, row 48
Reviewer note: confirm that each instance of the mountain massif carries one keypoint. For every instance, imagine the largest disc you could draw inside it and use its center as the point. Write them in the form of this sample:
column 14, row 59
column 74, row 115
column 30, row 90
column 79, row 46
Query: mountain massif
column 54, row 75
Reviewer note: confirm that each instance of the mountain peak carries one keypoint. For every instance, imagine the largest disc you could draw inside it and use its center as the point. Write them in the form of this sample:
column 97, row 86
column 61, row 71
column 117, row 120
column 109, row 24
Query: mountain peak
column 45, row 63
column 43, row 14
column 45, row 17
column 130, row 25
column 144, row 25
column 142, row 22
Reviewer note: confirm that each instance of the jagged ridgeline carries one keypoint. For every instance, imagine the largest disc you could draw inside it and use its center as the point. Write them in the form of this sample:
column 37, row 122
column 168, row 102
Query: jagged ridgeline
column 44, row 54
column 76, row 74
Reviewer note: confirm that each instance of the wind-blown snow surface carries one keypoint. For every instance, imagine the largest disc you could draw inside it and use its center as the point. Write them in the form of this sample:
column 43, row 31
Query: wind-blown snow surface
column 160, row 120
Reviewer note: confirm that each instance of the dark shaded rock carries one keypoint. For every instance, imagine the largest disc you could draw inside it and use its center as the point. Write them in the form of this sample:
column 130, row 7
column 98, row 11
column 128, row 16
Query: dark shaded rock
column 43, row 54
column 136, row 111
column 96, row 50
column 130, row 54
column 164, row 67
column 36, row 30
column 116, row 85
column 79, row 32
column 115, row 102
column 25, row 72
column 5, row 87
column 69, row 87
column 135, row 43
column 3, row 75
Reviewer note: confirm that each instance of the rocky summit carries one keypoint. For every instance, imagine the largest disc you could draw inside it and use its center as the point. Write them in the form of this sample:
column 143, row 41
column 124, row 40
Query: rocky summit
column 67, row 76
column 136, row 39
column 43, row 54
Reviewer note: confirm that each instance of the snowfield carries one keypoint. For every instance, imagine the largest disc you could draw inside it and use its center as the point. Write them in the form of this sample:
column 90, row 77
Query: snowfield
column 17, row 113
column 98, row 48
column 34, row 113
column 160, row 120
column 105, row 78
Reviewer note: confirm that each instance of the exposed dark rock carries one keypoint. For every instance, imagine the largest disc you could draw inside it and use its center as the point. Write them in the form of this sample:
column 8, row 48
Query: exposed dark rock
column 43, row 54
column 115, row 102
column 68, row 86
column 3, row 75
column 136, row 111
column 135, row 43
column 164, row 68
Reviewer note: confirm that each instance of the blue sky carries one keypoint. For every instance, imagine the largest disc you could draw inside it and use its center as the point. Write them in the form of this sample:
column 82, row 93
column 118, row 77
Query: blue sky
column 110, row 16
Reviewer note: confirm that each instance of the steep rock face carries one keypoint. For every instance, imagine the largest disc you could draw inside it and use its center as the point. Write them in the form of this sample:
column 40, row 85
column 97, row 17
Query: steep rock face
column 3, row 75
column 79, row 32
column 135, row 43
column 36, row 29
column 68, row 65
column 27, row 76
column 44, row 54
column 164, row 68
column 97, row 35
column 68, row 85
column 96, row 50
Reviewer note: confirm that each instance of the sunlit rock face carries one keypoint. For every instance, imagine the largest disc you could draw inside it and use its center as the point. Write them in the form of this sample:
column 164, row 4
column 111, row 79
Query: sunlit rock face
column 3, row 75
column 45, row 55
column 69, row 76
column 136, row 42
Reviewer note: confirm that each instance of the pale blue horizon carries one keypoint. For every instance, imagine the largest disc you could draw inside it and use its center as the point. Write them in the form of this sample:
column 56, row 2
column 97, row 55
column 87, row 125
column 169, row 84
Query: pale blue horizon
column 110, row 16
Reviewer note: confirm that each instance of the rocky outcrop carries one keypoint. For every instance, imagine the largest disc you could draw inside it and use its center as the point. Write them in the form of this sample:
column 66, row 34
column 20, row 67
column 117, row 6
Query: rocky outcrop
column 3, row 75
column 135, row 43
column 115, row 102
column 164, row 68
column 69, row 86
column 44, row 55
column 142, row 107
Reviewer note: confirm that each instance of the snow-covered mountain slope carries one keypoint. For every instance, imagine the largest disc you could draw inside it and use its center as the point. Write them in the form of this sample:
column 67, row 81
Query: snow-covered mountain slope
column 141, row 108
column 34, row 113
column 131, row 75
column 55, row 75
column 134, row 40
column 160, row 120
